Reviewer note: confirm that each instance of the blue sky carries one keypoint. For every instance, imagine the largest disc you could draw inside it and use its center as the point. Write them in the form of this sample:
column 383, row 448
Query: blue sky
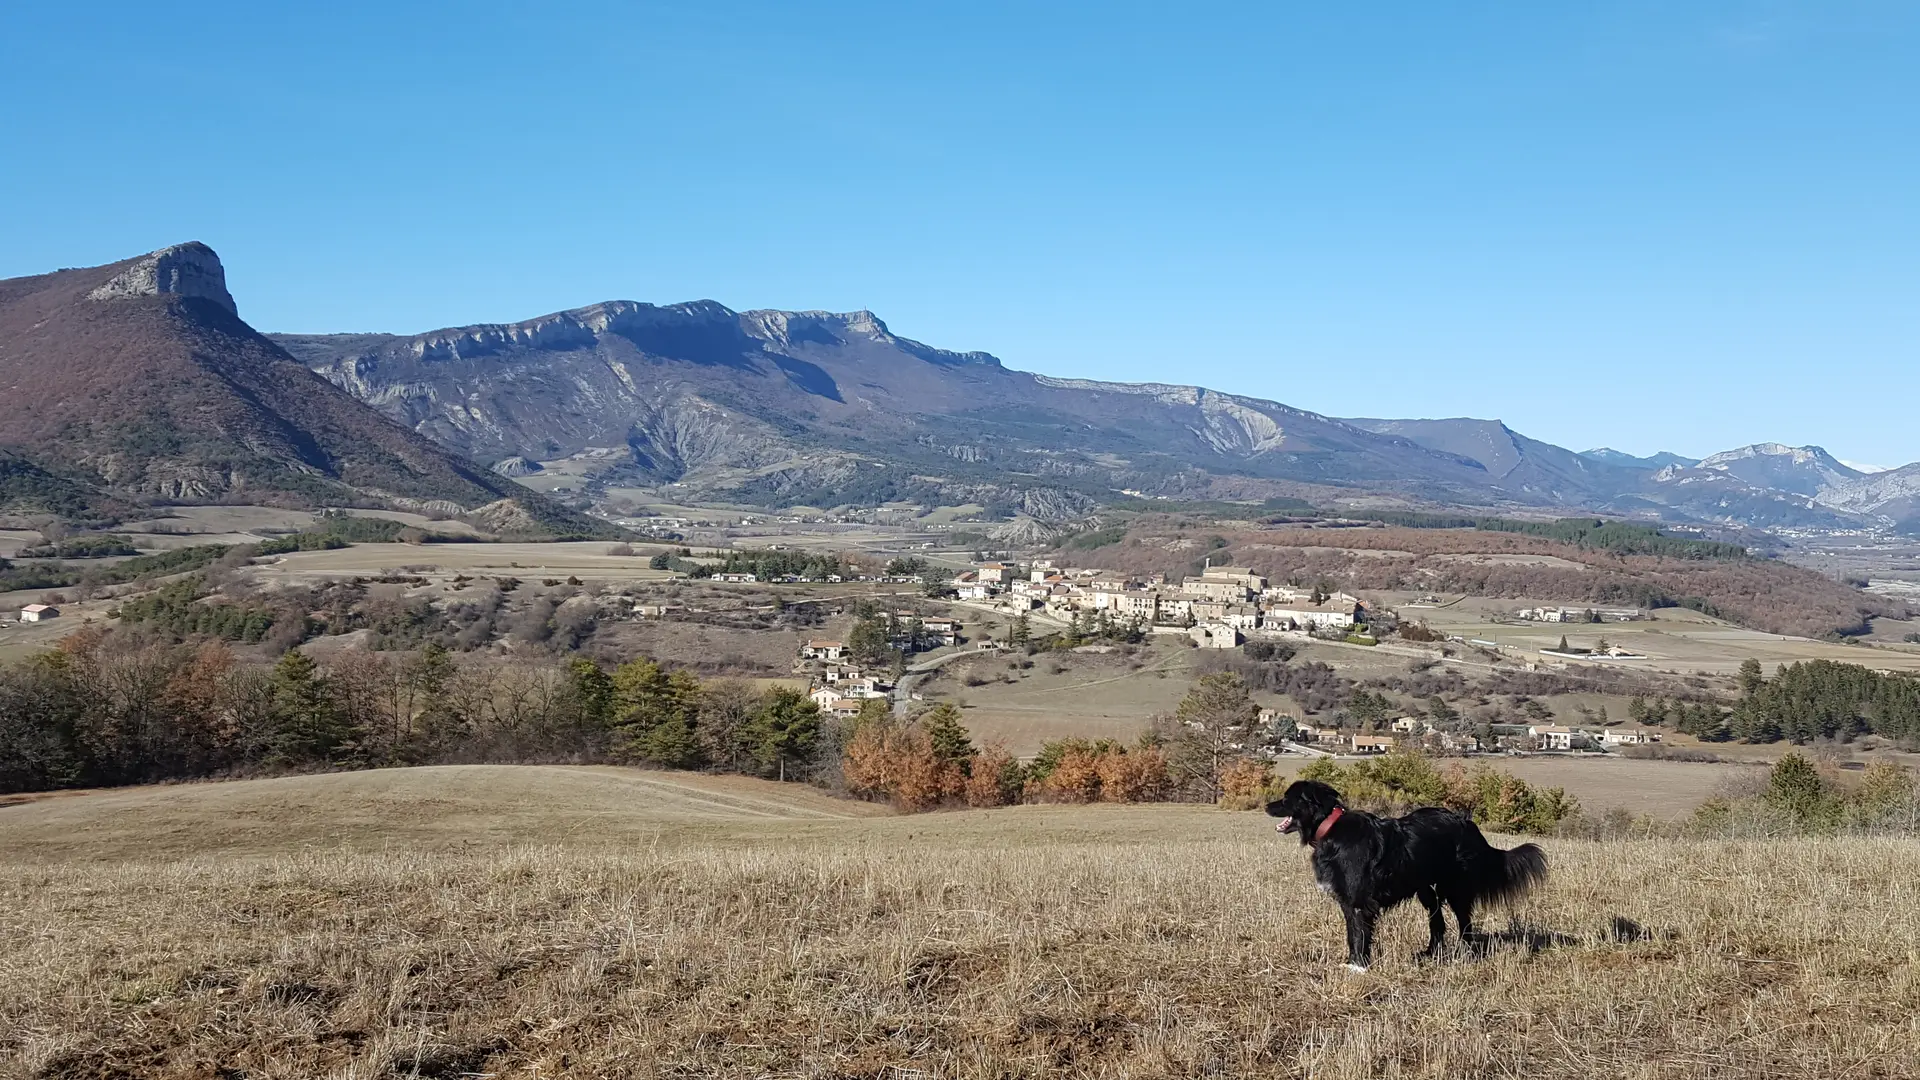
column 1646, row 225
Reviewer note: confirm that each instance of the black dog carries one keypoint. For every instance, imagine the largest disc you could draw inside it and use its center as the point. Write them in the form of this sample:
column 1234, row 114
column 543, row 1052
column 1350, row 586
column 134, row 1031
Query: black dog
column 1371, row 863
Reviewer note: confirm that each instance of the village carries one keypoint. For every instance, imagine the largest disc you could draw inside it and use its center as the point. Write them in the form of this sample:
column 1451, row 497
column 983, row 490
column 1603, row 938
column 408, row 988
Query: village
column 1221, row 608
column 1218, row 609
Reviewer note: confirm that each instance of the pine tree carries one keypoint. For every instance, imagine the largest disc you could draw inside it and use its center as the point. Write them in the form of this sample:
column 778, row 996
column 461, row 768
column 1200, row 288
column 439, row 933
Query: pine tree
column 307, row 725
column 592, row 695
column 1797, row 789
column 782, row 731
column 1215, row 715
column 949, row 738
column 655, row 713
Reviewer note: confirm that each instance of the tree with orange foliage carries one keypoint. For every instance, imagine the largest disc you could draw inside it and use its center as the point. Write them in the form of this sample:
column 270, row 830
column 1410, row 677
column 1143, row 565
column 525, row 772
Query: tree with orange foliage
column 1075, row 778
column 1245, row 784
column 1131, row 776
column 996, row 778
column 884, row 760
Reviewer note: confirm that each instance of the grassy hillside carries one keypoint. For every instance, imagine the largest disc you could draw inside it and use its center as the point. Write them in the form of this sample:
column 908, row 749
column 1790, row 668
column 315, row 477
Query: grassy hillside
column 548, row 922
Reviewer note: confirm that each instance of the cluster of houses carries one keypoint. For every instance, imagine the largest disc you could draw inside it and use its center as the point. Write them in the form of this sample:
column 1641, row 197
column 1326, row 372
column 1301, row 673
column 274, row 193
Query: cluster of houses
column 840, row 686
column 1578, row 615
column 1219, row 605
column 1504, row 737
column 843, row 687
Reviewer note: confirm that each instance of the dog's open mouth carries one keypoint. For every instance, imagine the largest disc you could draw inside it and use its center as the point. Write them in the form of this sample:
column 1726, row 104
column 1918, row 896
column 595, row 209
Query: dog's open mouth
column 1284, row 825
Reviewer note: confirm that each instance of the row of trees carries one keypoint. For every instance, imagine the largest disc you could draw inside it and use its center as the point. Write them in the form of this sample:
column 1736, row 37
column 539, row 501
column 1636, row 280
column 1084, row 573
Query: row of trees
column 123, row 708
column 1815, row 699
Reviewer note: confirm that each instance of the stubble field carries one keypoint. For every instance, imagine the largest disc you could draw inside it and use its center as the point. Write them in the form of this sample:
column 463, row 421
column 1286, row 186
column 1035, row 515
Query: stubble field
column 555, row 922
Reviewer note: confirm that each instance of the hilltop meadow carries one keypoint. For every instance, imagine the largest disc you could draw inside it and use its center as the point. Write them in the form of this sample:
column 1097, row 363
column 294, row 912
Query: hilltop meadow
column 541, row 921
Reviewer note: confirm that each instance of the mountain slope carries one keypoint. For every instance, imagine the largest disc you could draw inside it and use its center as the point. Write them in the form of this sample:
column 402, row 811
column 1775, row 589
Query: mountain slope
column 810, row 406
column 140, row 379
column 1550, row 473
column 1892, row 496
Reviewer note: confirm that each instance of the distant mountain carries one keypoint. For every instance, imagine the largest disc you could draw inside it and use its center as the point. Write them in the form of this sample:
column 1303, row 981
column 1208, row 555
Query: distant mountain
column 1538, row 471
column 781, row 407
column 1892, row 496
column 1663, row 459
column 818, row 408
column 139, row 381
column 1803, row 470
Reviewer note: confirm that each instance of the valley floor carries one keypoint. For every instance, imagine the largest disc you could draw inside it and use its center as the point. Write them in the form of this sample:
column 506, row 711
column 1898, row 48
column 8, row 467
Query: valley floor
column 535, row 921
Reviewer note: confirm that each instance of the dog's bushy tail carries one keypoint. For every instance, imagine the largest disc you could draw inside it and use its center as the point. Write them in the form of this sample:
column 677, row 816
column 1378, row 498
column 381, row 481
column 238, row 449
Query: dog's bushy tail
column 1510, row 875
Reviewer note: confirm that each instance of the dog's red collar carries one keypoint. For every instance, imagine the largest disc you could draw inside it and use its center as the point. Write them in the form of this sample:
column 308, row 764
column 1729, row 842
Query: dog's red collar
column 1320, row 833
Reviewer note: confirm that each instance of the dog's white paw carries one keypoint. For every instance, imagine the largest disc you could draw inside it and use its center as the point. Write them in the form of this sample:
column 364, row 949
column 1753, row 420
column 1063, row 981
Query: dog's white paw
column 1356, row 969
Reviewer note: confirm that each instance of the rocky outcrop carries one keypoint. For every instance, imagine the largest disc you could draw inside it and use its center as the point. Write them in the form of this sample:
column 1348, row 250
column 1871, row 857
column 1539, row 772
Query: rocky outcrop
column 190, row 269
column 516, row 467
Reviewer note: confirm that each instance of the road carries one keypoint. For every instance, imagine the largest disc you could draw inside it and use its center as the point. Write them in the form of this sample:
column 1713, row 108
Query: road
column 903, row 692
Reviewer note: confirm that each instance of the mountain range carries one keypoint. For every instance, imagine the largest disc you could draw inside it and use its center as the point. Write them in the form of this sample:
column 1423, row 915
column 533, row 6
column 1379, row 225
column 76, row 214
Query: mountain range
column 822, row 408
column 139, row 382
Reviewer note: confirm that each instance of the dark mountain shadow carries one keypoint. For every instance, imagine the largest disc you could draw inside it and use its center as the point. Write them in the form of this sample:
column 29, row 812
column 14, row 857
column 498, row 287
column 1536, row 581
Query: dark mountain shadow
column 809, row 377
column 715, row 343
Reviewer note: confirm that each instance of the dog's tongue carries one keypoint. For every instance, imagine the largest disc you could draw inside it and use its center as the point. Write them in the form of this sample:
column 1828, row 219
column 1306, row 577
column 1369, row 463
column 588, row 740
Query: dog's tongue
column 1284, row 825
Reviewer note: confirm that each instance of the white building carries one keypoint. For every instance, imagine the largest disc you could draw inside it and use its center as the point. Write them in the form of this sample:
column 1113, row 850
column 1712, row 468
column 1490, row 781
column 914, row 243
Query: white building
column 1340, row 614
column 1557, row 737
column 1371, row 744
column 1628, row 737
column 39, row 613
column 1229, row 590
column 823, row 650
column 1140, row 604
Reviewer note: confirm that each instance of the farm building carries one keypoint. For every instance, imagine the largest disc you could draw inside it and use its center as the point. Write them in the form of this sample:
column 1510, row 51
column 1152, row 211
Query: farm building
column 39, row 613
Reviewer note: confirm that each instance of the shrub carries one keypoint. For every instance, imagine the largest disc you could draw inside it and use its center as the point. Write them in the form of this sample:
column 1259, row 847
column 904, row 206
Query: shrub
column 1246, row 784
column 1404, row 779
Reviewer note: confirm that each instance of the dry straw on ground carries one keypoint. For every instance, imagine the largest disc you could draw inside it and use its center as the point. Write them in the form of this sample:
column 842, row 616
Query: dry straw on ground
column 1096, row 941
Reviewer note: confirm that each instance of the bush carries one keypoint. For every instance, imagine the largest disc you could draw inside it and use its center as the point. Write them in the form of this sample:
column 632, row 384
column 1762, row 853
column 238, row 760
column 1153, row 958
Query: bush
column 1246, row 784
column 1404, row 779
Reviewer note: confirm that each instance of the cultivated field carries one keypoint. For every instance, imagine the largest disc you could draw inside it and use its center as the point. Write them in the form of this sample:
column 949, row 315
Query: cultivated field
column 553, row 922
column 1675, row 640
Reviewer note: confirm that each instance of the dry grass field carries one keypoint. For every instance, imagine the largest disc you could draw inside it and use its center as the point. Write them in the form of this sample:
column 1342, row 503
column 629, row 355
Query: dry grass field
column 1675, row 640
column 536, row 922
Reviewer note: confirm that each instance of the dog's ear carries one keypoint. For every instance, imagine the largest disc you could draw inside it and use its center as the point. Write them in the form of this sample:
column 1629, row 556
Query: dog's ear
column 1313, row 798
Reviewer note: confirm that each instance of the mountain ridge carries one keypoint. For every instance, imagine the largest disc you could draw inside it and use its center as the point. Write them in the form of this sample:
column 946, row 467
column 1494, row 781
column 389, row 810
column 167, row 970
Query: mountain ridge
column 138, row 381
column 771, row 406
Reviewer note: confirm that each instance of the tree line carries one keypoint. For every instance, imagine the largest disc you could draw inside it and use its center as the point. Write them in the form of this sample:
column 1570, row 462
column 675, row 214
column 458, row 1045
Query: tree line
column 110, row 708
column 1803, row 702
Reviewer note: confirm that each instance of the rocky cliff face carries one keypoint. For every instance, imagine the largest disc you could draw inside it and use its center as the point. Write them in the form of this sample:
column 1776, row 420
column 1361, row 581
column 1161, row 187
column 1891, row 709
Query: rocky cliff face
column 190, row 269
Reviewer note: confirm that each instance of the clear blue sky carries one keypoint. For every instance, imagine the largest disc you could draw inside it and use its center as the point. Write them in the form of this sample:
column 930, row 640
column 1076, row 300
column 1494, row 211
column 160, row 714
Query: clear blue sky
column 1648, row 225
